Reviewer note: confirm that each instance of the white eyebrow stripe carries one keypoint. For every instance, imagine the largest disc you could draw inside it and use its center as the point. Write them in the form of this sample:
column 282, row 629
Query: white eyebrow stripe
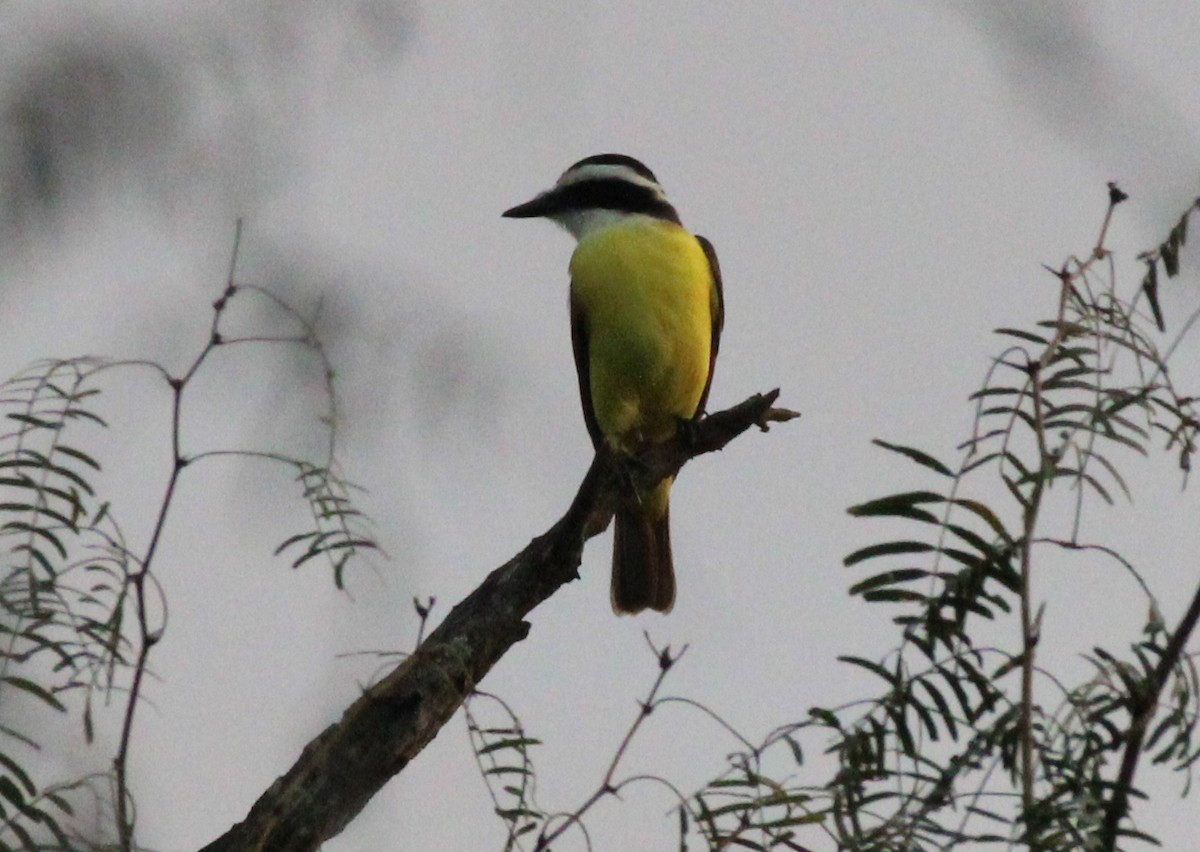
column 595, row 171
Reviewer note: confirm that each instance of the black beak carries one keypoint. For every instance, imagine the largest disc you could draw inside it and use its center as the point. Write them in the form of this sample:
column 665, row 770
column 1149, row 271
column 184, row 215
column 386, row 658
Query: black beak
column 542, row 205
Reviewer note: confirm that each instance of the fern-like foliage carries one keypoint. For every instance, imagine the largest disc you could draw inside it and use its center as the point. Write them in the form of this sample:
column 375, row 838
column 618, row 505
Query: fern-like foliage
column 339, row 530
column 749, row 808
column 970, row 740
column 970, row 743
column 502, row 751
column 63, row 582
column 80, row 608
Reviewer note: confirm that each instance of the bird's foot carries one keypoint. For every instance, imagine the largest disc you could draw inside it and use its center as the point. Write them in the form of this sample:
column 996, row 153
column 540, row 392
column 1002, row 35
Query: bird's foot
column 687, row 431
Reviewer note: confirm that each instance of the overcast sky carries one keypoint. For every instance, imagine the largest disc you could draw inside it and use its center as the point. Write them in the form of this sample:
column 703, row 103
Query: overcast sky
column 881, row 181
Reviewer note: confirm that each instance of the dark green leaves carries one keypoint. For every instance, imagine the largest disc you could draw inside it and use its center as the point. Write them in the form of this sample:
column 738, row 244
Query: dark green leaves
column 503, row 753
column 961, row 549
column 339, row 530
column 921, row 458
column 1150, row 288
column 58, row 629
column 907, row 505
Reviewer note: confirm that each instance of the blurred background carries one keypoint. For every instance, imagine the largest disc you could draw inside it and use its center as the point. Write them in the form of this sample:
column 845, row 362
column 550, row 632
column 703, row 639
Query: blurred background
column 882, row 182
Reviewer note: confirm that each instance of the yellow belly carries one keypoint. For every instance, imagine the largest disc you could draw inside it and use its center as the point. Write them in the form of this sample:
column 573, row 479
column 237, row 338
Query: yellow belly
column 646, row 294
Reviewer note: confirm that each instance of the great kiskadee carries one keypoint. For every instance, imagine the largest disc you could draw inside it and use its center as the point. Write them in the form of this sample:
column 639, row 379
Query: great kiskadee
column 646, row 318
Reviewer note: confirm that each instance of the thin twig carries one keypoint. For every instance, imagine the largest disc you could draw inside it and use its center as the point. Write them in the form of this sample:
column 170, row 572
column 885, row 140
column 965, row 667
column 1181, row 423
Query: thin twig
column 148, row 638
column 388, row 726
column 607, row 788
column 1047, row 461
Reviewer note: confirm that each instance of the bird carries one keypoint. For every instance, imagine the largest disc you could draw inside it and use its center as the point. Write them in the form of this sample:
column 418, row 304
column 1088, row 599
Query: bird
column 647, row 311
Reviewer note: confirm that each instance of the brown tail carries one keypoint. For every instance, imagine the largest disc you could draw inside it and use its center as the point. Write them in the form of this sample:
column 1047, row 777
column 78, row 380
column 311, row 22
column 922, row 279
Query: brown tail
column 642, row 573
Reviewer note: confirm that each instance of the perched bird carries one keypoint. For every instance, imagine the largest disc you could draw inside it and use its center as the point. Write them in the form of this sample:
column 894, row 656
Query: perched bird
column 646, row 319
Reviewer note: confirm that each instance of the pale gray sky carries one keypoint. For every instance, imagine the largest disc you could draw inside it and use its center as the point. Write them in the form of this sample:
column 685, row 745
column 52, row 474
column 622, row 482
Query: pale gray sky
column 882, row 182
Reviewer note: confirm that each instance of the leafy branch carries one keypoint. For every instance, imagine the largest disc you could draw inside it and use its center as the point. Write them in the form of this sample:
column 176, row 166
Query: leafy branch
column 502, row 754
column 76, row 592
column 1087, row 382
column 971, row 740
column 394, row 718
column 744, row 808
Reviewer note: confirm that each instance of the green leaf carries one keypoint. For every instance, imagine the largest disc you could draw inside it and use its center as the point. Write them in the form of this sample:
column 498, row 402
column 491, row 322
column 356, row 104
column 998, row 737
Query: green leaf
column 89, row 731
column 921, row 458
column 59, row 802
column 1150, row 288
column 987, row 693
column 1114, row 473
column 1014, row 661
column 84, row 414
column 801, row 819
column 27, row 841
column 1168, row 722
column 1179, row 232
column 943, row 707
column 874, row 668
column 1099, row 489
column 989, row 517
column 15, row 768
column 1022, row 335
column 923, row 714
column 21, row 526
column 1170, row 258
column 507, row 770
column 33, row 689
column 960, row 695
column 797, row 751
column 893, row 596
column 973, row 539
column 519, row 743
column 295, row 539
column 12, row 792
column 890, row 548
column 1014, row 488
column 896, row 713
column 79, row 455
column 889, row 578
column 67, row 473
column 342, row 544
column 825, row 717
column 900, row 506
column 516, row 813
column 35, row 422
column 965, row 558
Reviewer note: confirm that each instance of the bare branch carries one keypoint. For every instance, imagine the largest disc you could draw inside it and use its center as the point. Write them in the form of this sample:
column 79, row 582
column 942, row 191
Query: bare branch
column 389, row 724
column 1142, row 710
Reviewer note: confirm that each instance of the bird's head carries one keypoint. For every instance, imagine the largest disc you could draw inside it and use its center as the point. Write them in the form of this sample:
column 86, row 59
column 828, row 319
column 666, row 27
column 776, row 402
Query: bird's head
column 599, row 191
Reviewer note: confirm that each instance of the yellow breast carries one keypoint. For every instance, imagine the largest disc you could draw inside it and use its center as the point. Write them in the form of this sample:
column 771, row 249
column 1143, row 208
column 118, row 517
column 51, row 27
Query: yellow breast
column 646, row 294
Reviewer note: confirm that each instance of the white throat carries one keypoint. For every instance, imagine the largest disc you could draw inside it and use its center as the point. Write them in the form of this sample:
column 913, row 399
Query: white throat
column 584, row 223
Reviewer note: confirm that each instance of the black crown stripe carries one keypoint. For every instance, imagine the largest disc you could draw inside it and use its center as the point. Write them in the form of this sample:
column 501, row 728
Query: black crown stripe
column 615, row 194
column 616, row 160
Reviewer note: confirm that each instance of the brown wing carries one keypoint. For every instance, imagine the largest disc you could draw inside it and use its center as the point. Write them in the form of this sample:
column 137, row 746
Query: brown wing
column 579, row 343
column 718, row 318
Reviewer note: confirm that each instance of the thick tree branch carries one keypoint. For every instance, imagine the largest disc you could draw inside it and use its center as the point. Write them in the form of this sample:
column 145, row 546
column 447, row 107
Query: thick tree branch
column 389, row 724
column 1142, row 708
